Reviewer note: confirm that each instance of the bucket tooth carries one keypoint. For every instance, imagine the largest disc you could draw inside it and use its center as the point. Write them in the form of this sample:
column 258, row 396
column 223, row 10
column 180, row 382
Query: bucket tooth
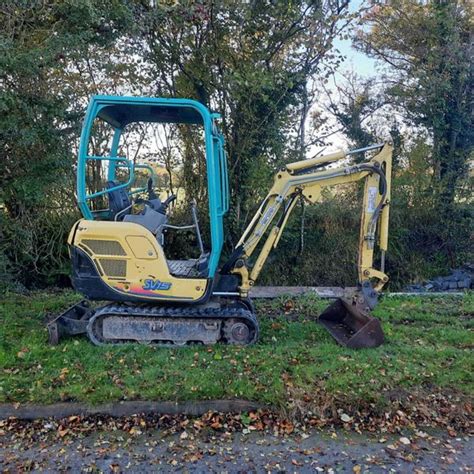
column 348, row 320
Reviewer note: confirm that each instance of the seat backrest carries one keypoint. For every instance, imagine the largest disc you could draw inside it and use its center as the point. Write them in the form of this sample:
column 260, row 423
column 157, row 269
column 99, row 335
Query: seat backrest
column 150, row 219
column 118, row 199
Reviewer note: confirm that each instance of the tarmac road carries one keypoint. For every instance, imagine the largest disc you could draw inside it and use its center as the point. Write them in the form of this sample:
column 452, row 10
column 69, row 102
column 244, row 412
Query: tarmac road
column 317, row 451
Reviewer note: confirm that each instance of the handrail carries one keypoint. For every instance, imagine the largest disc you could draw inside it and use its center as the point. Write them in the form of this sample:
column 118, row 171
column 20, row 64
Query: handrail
column 142, row 166
column 107, row 158
column 224, row 180
column 131, row 176
column 126, row 163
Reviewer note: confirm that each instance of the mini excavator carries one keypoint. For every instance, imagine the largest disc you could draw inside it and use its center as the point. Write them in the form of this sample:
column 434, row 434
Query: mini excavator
column 118, row 253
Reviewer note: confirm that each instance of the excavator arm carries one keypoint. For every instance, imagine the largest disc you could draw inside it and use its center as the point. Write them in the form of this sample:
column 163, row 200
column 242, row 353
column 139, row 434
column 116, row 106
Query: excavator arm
column 306, row 179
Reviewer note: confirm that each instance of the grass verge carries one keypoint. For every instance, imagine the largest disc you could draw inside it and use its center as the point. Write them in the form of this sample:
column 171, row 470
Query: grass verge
column 296, row 366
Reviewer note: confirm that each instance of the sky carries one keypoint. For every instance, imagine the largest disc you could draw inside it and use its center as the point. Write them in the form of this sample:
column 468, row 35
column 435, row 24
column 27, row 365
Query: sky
column 359, row 62
column 362, row 64
column 354, row 61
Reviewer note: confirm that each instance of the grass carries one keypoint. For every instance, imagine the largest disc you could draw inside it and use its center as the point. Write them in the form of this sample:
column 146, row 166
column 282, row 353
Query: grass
column 428, row 348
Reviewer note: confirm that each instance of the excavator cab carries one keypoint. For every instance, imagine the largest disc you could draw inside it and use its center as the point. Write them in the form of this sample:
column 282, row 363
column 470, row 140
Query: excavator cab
column 119, row 253
column 122, row 194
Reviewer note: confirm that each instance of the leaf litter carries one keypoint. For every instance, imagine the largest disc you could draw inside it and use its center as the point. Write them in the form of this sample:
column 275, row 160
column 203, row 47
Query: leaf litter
column 192, row 440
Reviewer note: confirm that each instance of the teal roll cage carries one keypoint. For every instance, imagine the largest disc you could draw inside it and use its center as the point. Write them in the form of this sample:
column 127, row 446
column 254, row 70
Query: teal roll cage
column 119, row 112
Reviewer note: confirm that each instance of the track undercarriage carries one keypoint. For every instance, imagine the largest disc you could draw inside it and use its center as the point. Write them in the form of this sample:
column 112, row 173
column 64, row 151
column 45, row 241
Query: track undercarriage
column 233, row 323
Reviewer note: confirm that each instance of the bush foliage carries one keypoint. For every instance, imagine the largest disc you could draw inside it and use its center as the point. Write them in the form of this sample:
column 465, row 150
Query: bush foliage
column 261, row 66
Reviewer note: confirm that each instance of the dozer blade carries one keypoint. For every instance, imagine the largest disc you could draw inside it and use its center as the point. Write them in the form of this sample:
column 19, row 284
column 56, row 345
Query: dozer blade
column 349, row 322
column 70, row 323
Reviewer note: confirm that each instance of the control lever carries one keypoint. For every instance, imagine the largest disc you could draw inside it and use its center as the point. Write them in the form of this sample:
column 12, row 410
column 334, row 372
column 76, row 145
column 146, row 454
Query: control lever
column 149, row 189
column 169, row 200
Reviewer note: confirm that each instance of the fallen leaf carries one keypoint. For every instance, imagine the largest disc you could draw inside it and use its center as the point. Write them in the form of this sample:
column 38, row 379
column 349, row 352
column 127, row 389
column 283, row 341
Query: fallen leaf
column 451, row 432
column 63, row 374
column 193, row 457
column 346, row 418
column 287, row 426
column 198, row 424
column 21, row 354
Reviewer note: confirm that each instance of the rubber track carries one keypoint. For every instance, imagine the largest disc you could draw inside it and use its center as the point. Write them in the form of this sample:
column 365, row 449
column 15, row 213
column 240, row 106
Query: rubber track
column 165, row 313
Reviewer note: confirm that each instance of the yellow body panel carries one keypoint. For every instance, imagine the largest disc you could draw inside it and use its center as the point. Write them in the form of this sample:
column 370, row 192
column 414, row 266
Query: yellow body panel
column 131, row 261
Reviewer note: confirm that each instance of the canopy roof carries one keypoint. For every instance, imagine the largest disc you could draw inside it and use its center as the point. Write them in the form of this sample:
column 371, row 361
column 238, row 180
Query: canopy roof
column 119, row 115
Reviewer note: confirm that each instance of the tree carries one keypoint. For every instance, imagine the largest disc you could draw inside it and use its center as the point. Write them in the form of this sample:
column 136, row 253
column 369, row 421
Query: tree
column 353, row 103
column 427, row 48
column 39, row 121
column 251, row 62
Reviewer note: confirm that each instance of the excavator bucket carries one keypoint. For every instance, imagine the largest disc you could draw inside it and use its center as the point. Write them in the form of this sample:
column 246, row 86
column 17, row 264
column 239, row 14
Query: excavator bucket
column 348, row 320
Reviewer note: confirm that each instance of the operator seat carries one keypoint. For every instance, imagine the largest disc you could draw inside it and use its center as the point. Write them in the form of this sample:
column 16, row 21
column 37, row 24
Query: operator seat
column 151, row 220
column 119, row 200
column 152, row 217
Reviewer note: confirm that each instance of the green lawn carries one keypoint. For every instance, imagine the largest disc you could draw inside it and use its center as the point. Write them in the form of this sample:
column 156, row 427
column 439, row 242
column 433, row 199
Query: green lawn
column 428, row 348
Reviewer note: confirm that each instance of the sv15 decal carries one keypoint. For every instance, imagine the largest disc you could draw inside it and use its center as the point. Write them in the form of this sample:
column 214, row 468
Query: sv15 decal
column 156, row 285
